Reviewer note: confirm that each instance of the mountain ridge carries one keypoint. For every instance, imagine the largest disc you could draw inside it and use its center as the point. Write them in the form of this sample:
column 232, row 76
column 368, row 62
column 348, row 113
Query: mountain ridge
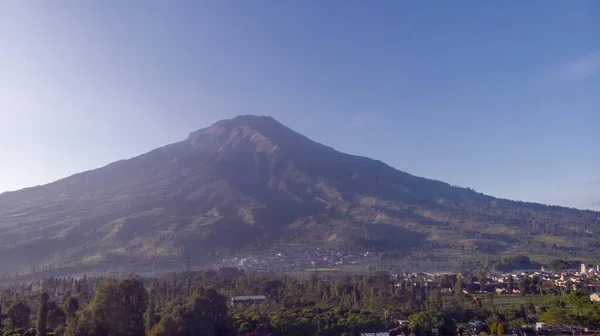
column 251, row 181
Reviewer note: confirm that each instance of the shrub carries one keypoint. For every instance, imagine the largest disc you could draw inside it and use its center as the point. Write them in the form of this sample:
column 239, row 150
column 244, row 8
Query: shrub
column 245, row 327
column 500, row 329
column 16, row 332
column 493, row 328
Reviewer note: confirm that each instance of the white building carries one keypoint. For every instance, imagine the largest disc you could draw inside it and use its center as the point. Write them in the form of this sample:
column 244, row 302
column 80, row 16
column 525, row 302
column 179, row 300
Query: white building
column 539, row 326
column 583, row 268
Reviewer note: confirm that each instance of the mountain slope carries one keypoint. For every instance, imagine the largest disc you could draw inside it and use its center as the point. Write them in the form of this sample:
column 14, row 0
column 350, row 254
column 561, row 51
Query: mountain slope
column 250, row 181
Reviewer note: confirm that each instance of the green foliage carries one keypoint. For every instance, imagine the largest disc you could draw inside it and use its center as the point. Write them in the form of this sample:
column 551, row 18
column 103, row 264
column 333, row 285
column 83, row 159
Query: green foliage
column 19, row 313
column 150, row 315
column 310, row 306
column 42, row 318
column 421, row 323
column 573, row 309
column 512, row 263
column 56, row 316
column 458, row 287
column 204, row 313
column 244, row 327
column 530, row 285
column 116, row 309
column 70, row 306
column 15, row 332
column 435, row 301
column 500, row 329
column 558, row 265
column 308, row 320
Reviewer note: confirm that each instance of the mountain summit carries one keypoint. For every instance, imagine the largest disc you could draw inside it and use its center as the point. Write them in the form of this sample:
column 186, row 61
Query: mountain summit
column 251, row 182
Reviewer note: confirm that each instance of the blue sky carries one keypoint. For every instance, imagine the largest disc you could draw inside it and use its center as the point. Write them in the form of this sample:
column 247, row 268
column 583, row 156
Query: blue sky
column 500, row 96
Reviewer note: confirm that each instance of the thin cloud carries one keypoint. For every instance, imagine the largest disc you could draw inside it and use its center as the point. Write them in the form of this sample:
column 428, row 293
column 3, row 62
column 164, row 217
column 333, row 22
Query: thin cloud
column 581, row 68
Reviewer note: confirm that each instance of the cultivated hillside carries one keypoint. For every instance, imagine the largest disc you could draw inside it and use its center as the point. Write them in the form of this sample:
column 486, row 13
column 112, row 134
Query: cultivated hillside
column 250, row 182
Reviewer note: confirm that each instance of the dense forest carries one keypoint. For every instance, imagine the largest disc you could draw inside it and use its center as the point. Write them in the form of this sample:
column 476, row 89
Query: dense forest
column 198, row 303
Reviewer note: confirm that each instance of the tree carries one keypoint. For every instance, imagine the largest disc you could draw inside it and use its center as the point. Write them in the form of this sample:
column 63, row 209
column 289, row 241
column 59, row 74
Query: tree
column 435, row 300
column 529, row 308
column 56, row 316
column 524, row 285
column 557, row 314
column 422, row 322
column 42, row 318
column 558, row 265
column 500, row 329
column 117, row 309
column 458, row 287
column 70, row 305
column 482, row 277
column 511, row 283
column 134, row 301
column 204, row 313
column 577, row 300
column 19, row 313
column 245, row 327
column 150, row 312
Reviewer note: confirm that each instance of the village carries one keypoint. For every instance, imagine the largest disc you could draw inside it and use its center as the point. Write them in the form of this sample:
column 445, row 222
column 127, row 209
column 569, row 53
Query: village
column 294, row 258
column 543, row 281
column 585, row 278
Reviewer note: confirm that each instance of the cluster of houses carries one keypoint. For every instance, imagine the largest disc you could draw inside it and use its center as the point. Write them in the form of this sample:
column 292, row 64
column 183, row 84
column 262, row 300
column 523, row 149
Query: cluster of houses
column 576, row 279
column 586, row 277
column 297, row 259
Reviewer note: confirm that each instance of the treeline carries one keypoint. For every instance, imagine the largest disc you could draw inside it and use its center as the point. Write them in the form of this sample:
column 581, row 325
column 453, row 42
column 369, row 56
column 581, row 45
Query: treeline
column 518, row 262
column 119, row 307
column 197, row 303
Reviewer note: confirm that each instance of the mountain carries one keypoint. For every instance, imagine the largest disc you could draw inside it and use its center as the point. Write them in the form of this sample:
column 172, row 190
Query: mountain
column 251, row 183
